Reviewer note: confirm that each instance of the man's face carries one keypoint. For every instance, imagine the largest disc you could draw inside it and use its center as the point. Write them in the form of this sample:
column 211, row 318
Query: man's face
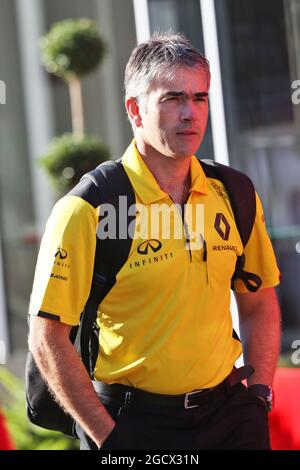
column 174, row 113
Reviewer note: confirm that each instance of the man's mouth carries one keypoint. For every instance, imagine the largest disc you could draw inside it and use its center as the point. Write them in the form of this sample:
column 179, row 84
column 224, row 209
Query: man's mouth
column 187, row 133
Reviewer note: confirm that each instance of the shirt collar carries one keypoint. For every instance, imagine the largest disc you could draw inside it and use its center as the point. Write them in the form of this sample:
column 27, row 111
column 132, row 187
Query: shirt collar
column 198, row 177
column 144, row 183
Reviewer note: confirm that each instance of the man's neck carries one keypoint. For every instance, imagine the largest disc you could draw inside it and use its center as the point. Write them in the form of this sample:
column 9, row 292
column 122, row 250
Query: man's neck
column 171, row 173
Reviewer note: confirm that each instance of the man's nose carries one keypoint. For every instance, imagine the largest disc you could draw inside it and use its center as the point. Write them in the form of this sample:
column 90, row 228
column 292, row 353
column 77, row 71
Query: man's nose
column 188, row 111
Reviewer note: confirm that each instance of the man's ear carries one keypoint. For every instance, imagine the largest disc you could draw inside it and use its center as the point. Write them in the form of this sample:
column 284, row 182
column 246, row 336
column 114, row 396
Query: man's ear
column 133, row 111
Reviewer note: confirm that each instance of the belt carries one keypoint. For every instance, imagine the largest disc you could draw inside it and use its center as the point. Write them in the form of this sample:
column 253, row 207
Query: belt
column 124, row 395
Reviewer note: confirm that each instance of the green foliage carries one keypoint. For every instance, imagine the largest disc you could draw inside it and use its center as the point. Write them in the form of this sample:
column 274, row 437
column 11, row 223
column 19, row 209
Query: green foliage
column 25, row 435
column 70, row 156
column 72, row 47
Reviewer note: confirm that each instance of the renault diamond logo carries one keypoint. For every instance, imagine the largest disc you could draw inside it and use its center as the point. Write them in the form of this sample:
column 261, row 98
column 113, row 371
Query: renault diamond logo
column 222, row 226
column 153, row 245
column 62, row 254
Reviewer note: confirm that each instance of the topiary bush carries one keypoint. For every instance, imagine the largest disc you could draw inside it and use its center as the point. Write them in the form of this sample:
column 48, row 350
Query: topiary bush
column 72, row 48
column 70, row 156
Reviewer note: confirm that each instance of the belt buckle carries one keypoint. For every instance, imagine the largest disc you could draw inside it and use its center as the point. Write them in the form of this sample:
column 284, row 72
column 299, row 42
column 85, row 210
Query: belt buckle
column 186, row 400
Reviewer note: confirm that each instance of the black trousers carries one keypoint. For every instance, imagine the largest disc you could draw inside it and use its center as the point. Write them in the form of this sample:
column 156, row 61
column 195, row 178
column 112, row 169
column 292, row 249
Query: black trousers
column 238, row 420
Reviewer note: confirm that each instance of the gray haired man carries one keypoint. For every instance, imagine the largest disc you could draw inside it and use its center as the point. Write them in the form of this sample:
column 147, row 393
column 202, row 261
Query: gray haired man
column 165, row 376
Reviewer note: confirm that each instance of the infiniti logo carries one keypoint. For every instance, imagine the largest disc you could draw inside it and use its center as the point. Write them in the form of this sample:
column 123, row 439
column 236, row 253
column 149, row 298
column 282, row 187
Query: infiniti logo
column 153, row 245
column 62, row 254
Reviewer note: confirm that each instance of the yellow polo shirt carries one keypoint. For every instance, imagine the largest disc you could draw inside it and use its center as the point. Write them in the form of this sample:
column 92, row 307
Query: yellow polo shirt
column 165, row 325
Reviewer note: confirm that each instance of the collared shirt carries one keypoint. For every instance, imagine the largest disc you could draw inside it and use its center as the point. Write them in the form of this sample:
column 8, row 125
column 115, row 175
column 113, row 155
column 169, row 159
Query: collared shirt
column 165, row 326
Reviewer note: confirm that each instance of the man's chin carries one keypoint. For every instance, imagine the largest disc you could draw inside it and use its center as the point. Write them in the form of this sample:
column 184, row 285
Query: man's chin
column 187, row 149
column 185, row 152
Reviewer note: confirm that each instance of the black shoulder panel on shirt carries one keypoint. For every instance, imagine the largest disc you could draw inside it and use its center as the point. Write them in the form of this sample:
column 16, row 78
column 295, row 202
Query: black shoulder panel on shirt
column 87, row 191
column 50, row 316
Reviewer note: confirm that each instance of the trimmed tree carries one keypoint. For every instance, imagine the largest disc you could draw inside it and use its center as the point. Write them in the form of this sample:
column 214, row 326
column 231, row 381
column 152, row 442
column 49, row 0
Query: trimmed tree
column 71, row 50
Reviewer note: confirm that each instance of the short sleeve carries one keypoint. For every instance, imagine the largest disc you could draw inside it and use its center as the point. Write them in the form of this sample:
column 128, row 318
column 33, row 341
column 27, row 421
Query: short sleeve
column 259, row 254
column 65, row 262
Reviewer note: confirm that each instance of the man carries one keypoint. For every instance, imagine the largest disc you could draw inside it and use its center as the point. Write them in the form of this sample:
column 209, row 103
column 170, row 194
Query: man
column 167, row 350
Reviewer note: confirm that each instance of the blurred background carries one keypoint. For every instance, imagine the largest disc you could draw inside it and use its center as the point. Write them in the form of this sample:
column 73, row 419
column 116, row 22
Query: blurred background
column 254, row 51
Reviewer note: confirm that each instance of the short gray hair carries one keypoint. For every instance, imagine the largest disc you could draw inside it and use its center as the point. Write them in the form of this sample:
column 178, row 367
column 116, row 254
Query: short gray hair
column 149, row 60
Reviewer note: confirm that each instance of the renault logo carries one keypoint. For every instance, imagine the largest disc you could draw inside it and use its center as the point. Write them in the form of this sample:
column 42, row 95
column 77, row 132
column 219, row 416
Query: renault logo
column 153, row 245
column 62, row 254
column 222, row 226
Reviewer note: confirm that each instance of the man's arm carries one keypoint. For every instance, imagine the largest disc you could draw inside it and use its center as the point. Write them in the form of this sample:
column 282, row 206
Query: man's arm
column 60, row 364
column 259, row 316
